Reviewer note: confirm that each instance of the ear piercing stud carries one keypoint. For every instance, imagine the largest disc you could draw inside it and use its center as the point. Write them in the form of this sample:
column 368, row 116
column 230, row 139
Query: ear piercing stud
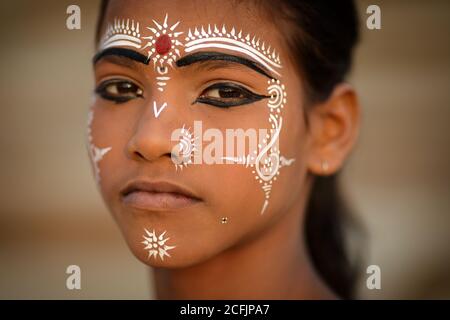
column 224, row 220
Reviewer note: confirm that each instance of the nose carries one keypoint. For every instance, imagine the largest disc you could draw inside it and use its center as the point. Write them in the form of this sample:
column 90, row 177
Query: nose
column 150, row 140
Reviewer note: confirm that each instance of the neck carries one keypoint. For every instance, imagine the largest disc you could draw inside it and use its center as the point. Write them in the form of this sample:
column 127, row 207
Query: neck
column 272, row 265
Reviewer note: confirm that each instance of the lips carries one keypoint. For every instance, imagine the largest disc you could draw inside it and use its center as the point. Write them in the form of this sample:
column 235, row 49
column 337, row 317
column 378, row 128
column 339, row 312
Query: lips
column 157, row 196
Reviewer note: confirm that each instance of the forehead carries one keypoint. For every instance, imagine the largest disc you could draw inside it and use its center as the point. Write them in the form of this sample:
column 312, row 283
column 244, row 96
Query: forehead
column 245, row 15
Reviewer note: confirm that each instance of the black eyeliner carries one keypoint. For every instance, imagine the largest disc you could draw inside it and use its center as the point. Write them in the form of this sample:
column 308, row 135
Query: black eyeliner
column 100, row 90
column 218, row 56
column 251, row 97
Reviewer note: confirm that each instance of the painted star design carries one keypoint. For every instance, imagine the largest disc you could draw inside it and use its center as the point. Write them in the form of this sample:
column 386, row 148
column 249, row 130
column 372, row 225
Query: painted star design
column 156, row 245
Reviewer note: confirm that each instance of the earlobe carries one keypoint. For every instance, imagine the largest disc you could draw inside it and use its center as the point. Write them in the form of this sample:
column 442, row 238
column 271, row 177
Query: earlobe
column 334, row 127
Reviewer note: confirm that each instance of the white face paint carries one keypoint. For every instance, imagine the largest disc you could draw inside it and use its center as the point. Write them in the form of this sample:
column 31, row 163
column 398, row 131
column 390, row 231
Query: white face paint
column 156, row 245
column 184, row 151
column 200, row 38
column 285, row 162
column 123, row 33
column 163, row 43
column 161, row 80
column 95, row 153
column 163, row 49
column 267, row 160
column 162, row 46
column 157, row 110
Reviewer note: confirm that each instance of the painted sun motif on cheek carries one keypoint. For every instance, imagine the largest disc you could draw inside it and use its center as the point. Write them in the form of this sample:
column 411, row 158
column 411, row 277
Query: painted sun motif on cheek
column 183, row 152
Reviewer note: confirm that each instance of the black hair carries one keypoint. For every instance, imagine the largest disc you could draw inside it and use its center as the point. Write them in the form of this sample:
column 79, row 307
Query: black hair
column 321, row 34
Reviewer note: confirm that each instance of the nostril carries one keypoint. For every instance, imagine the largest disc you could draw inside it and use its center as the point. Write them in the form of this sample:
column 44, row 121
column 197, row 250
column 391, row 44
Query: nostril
column 139, row 155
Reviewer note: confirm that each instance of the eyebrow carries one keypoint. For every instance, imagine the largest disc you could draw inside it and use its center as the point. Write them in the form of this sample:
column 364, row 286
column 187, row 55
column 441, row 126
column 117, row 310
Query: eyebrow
column 201, row 57
column 121, row 52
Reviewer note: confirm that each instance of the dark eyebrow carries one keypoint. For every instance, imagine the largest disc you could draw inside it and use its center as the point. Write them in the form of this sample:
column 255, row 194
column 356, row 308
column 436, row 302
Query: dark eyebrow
column 121, row 52
column 200, row 57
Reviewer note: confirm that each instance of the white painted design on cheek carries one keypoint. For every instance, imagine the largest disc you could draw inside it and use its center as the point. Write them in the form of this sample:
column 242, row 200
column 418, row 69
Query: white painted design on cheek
column 231, row 40
column 123, row 33
column 156, row 245
column 187, row 145
column 285, row 162
column 157, row 111
column 267, row 165
column 267, row 161
column 266, row 203
column 244, row 160
column 277, row 94
column 99, row 153
column 96, row 154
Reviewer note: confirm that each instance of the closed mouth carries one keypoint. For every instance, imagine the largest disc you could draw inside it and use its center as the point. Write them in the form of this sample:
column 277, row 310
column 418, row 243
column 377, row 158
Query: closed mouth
column 157, row 196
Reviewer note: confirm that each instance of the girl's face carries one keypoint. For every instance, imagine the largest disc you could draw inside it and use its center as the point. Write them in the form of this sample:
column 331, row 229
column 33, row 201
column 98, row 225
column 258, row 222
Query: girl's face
column 174, row 81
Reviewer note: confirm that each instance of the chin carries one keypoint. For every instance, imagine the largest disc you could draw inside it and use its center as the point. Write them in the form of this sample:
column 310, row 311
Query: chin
column 176, row 260
column 181, row 256
column 169, row 243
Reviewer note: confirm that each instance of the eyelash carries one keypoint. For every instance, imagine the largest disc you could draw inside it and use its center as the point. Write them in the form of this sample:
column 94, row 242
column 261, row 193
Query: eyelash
column 244, row 96
column 227, row 102
column 134, row 91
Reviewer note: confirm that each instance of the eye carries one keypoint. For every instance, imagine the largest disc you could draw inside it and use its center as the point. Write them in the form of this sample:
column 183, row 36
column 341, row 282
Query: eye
column 119, row 90
column 225, row 95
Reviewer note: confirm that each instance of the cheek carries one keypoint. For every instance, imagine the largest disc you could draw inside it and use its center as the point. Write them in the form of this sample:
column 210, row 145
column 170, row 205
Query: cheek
column 250, row 194
column 234, row 193
column 279, row 169
column 106, row 132
column 290, row 182
column 98, row 148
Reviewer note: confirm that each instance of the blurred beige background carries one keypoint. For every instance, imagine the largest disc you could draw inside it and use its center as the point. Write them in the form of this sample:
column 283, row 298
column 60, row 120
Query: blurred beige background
column 51, row 214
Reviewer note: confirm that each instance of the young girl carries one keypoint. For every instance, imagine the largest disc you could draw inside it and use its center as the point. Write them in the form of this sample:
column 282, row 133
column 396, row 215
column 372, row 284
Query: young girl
column 216, row 133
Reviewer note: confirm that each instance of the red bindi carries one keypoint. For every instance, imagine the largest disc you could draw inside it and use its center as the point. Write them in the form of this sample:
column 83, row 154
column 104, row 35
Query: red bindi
column 163, row 44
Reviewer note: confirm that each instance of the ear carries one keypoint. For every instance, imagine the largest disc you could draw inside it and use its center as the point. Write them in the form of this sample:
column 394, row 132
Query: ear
column 333, row 130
